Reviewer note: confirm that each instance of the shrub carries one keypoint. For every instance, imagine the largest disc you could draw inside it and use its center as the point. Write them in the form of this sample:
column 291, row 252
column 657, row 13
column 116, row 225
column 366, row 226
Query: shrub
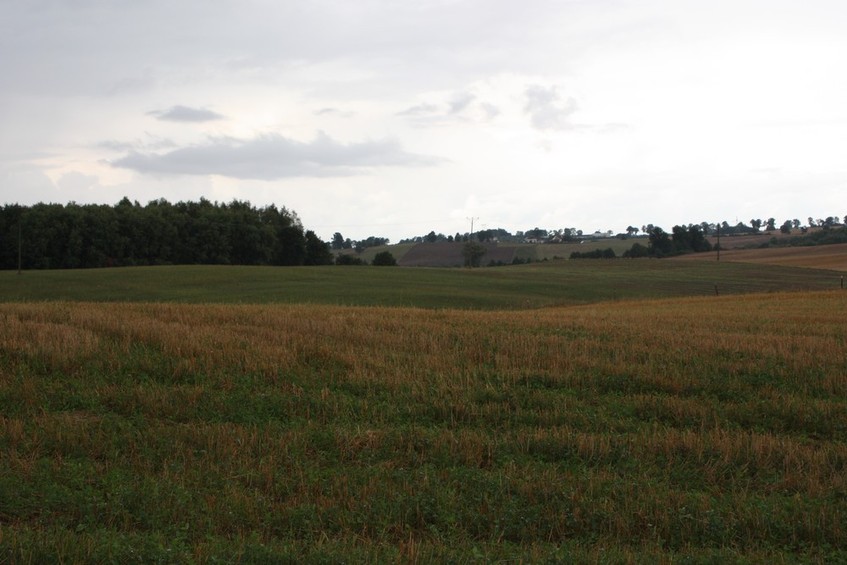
column 384, row 259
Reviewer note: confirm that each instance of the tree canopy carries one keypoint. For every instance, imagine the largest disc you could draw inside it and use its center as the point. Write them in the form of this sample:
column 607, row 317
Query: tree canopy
column 55, row 236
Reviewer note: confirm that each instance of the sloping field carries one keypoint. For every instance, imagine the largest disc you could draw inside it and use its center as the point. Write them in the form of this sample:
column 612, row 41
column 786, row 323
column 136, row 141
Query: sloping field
column 699, row 430
column 512, row 287
column 832, row 257
column 447, row 254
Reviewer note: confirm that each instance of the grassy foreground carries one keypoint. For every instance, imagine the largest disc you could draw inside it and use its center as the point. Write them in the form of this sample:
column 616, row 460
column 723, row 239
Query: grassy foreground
column 707, row 429
column 518, row 287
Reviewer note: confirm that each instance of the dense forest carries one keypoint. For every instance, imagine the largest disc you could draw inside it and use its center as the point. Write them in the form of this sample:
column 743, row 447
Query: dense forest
column 56, row 236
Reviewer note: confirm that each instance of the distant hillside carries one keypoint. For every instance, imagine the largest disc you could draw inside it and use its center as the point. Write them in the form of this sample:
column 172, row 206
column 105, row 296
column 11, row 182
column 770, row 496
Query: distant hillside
column 833, row 257
column 449, row 254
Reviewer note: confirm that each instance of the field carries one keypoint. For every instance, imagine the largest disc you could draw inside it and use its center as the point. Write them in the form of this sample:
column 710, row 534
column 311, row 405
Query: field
column 649, row 422
column 554, row 283
column 832, row 257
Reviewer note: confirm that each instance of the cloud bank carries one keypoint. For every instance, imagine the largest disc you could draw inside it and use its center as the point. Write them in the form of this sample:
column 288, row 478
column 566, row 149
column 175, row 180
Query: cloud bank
column 185, row 114
column 271, row 157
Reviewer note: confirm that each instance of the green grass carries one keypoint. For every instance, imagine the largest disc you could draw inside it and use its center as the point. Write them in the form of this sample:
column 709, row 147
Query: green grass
column 508, row 416
column 514, row 287
column 659, row 432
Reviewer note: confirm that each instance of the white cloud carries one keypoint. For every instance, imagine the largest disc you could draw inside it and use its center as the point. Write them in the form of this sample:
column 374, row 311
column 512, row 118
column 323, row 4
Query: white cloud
column 185, row 114
column 269, row 157
column 334, row 112
column 547, row 110
column 460, row 101
column 75, row 182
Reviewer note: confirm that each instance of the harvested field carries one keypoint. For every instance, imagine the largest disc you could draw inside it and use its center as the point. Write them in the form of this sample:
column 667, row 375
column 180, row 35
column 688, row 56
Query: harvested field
column 832, row 257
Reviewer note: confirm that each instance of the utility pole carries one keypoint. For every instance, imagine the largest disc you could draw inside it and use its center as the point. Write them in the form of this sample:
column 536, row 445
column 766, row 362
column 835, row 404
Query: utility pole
column 471, row 220
column 20, row 232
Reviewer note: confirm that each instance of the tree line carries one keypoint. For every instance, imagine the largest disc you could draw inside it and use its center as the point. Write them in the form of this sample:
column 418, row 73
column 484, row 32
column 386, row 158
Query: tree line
column 572, row 235
column 56, row 236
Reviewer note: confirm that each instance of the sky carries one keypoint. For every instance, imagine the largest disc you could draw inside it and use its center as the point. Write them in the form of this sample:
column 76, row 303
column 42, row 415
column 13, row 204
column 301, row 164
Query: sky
column 394, row 118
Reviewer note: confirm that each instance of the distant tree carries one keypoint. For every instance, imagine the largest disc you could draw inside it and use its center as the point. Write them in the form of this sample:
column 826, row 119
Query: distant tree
column 637, row 250
column 785, row 227
column 681, row 239
column 431, row 237
column 371, row 241
column 317, row 251
column 607, row 253
column 631, row 231
column 337, row 241
column 755, row 223
column 795, row 223
column 473, row 253
column 568, row 234
column 348, row 259
column 384, row 259
column 483, row 235
column 659, row 243
column 741, row 227
column 811, row 222
column 697, row 237
column 771, row 224
column 536, row 233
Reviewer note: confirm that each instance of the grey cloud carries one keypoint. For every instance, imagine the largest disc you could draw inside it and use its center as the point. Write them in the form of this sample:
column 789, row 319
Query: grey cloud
column 420, row 110
column 334, row 112
column 462, row 106
column 460, row 101
column 546, row 109
column 150, row 143
column 490, row 110
column 185, row 114
column 272, row 157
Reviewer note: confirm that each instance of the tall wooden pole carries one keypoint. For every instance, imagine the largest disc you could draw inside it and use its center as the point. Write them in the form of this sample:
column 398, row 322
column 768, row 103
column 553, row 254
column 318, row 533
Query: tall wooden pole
column 20, row 232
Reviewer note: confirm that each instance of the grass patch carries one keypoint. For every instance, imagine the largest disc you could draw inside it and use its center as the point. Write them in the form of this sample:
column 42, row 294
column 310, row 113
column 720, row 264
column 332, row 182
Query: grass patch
column 513, row 287
column 703, row 429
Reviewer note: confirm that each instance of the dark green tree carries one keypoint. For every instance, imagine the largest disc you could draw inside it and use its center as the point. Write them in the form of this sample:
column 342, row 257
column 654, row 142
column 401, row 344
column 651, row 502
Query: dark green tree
column 473, row 252
column 637, row 250
column 785, row 227
column 348, row 259
column 659, row 243
column 317, row 251
column 384, row 259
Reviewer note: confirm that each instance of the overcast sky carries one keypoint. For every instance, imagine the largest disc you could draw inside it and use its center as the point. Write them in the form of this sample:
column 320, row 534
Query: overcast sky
column 394, row 118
